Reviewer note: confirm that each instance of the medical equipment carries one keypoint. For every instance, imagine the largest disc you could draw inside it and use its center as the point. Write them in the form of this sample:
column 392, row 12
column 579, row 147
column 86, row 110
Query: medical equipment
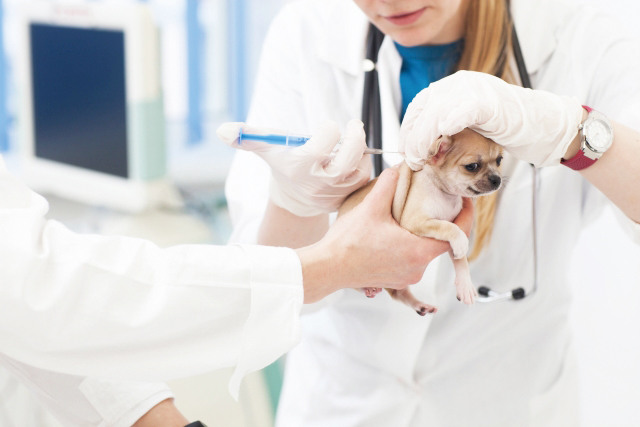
column 372, row 119
column 291, row 140
column 91, row 111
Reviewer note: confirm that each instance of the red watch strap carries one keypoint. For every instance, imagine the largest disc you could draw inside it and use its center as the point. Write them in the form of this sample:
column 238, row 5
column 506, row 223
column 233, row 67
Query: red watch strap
column 579, row 161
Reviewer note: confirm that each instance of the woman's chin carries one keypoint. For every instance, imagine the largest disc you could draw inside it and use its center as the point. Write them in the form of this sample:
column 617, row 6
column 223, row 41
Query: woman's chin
column 410, row 37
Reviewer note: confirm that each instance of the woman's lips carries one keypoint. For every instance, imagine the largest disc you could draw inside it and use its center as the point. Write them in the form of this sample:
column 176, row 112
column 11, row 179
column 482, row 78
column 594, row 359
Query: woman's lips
column 406, row 18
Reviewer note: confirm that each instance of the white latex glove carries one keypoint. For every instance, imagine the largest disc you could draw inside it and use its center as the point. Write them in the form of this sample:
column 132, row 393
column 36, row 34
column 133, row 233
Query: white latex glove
column 310, row 179
column 533, row 125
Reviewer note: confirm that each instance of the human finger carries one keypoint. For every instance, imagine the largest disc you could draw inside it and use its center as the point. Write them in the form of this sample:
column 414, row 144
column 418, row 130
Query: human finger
column 323, row 141
column 414, row 109
column 359, row 177
column 464, row 220
column 351, row 151
column 380, row 197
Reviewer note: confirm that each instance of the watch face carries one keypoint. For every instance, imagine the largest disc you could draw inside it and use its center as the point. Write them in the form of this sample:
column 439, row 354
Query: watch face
column 599, row 135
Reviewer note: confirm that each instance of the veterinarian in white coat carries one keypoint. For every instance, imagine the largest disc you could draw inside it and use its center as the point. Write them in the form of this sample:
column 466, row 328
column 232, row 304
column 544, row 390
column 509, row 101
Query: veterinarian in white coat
column 374, row 362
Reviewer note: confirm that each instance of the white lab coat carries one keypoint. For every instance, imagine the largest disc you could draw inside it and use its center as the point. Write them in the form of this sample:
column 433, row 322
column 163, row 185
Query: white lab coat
column 373, row 362
column 121, row 308
column 75, row 401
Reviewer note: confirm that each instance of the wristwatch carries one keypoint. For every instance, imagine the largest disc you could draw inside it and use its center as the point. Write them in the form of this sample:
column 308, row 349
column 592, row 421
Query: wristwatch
column 196, row 424
column 596, row 136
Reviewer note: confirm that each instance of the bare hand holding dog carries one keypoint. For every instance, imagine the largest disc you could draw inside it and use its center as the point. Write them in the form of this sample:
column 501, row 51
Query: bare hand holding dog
column 367, row 248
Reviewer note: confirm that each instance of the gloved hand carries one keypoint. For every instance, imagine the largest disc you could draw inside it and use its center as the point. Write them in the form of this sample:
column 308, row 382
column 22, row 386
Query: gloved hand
column 310, row 179
column 533, row 125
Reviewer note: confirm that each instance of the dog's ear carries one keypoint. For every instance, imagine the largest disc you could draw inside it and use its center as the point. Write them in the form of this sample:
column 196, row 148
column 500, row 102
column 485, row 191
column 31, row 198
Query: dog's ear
column 439, row 148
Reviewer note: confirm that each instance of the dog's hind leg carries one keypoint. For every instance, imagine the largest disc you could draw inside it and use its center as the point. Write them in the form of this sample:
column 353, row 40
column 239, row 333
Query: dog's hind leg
column 405, row 296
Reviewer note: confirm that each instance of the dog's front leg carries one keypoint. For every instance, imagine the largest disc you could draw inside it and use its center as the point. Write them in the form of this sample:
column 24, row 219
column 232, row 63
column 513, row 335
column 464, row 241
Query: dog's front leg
column 442, row 230
column 465, row 291
column 449, row 232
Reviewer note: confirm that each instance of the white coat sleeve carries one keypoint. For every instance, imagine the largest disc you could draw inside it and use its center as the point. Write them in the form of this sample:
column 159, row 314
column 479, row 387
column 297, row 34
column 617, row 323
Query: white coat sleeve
column 121, row 308
column 614, row 89
column 277, row 104
column 88, row 402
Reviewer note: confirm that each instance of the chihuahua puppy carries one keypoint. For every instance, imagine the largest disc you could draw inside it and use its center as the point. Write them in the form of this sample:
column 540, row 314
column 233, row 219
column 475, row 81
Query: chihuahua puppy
column 426, row 202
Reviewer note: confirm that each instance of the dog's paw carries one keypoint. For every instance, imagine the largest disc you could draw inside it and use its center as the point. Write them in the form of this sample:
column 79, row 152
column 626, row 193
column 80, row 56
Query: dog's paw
column 460, row 245
column 465, row 291
column 371, row 292
column 423, row 309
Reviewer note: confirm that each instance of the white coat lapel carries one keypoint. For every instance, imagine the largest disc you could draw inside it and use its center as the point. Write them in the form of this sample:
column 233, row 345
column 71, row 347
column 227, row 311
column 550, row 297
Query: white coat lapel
column 343, row 45
column 389, row 64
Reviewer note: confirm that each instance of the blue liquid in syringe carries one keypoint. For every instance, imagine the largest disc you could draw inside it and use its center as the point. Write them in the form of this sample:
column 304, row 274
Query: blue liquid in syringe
column 273, row 139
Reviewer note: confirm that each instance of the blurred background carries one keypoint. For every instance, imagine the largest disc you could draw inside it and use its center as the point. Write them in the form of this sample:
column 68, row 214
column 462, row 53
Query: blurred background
column 208, row 52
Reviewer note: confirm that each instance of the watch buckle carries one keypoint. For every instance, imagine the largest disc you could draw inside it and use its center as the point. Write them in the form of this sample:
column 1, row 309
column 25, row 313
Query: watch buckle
column 589, row 153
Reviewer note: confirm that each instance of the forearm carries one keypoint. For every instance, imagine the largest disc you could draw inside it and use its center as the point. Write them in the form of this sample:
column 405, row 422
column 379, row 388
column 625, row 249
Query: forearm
column 69, row 297
column 319, row 272
column 617, row 172
column 282, row 228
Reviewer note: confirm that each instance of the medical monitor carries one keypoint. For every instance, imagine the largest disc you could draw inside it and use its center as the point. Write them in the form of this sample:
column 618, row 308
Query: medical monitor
column 79, row 100
column 91, row 114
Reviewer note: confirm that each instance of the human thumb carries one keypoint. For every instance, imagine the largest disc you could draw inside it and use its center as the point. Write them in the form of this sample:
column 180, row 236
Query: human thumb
column 380, row 197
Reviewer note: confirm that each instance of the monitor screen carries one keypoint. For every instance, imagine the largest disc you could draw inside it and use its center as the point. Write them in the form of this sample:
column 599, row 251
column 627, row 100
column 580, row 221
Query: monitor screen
column 79, row 101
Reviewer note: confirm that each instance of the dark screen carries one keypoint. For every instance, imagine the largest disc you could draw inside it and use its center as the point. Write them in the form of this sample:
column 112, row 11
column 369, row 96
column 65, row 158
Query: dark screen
column 79, row 97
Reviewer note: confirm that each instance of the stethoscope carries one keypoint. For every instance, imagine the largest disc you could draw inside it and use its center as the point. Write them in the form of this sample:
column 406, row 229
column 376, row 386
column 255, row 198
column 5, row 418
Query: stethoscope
column 372, row 119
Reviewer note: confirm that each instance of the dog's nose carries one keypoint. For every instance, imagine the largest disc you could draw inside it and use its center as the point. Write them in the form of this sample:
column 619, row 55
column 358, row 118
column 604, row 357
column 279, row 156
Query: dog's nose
column 495, row 181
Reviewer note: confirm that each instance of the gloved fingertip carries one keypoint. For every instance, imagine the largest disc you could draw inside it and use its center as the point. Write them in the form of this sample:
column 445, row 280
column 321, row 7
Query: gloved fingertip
column 328, row 127
column 355, row 124
column 324, row 139
column 355, row 133
column 415, row 164
column 229, row 133
column 350, row 152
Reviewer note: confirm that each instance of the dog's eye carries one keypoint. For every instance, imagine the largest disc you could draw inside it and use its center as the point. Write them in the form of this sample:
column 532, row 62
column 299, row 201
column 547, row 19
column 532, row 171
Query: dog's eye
column 498, row 160
column 472, row 167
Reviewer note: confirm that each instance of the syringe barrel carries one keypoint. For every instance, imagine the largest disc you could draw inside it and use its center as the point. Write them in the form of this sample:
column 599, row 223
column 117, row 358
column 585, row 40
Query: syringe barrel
column 294, row 140
column 289, row 140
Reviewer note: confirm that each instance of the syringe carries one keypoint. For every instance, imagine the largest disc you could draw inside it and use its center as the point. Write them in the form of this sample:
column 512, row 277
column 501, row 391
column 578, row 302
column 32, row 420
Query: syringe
column 292, row 140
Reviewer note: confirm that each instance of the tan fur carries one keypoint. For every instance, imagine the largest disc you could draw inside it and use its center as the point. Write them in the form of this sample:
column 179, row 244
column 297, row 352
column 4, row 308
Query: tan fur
column 487, row 48
column 426, row 202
